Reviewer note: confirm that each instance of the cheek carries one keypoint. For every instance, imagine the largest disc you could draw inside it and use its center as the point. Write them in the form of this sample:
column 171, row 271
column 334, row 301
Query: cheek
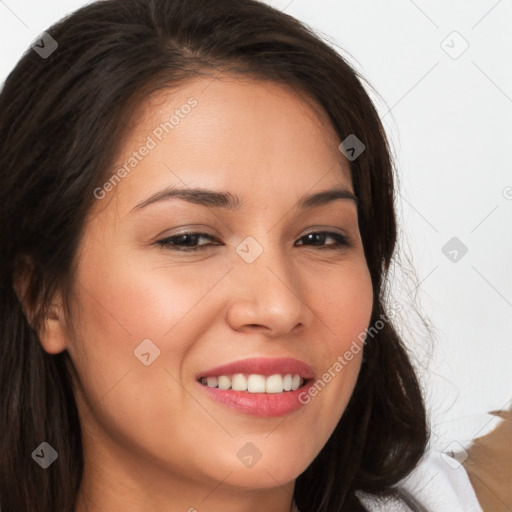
column 129, row 298
column 344, row 305
column 345, row 311
column 120, row 306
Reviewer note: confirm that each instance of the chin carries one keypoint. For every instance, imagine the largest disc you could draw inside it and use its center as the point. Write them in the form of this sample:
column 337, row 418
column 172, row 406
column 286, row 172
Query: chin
column 265, row 476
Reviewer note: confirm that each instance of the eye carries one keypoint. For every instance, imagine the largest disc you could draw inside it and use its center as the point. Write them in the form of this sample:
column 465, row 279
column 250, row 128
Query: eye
column 188, row 242
column 185, row 241
column 318, row 239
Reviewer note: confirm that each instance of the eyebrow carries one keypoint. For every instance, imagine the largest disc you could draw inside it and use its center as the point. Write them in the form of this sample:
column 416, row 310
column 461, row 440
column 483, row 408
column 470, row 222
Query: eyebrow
column 230, row 201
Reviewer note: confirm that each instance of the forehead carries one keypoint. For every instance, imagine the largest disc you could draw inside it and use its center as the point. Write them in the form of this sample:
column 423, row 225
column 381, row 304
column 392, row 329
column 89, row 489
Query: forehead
column 230, row 133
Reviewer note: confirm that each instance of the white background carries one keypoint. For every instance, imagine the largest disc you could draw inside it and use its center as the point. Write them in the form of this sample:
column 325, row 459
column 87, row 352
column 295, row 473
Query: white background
column 450, row 124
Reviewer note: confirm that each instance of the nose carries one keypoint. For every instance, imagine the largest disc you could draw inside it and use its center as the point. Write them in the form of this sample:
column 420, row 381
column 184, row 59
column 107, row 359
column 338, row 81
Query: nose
column 267, row 296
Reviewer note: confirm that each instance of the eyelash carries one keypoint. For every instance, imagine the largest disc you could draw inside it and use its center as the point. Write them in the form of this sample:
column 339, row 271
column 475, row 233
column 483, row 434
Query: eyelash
column 341, row 241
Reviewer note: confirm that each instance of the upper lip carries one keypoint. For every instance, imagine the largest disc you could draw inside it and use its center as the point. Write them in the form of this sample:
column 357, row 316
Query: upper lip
column 261, row 366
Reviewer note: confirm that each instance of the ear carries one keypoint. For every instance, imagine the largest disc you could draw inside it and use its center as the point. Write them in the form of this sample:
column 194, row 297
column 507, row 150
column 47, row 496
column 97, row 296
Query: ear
column 52, row 332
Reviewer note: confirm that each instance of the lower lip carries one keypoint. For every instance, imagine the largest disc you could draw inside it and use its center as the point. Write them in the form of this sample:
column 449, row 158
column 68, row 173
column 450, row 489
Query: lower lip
column 259, row 404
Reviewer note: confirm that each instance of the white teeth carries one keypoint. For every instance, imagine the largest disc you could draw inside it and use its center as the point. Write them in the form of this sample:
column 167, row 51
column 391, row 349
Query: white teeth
column 239, row 382
column 274, row 384
column 224, row 382
column 295, row 382
column 287, row 382
column 212, row 382
column 255, row 383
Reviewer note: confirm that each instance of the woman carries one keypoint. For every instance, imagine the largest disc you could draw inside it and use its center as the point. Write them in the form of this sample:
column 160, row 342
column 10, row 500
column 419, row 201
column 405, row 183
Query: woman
column 197, row 222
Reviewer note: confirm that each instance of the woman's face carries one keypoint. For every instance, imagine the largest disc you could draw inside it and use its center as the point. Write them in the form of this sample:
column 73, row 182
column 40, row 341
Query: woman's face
column 151, row 318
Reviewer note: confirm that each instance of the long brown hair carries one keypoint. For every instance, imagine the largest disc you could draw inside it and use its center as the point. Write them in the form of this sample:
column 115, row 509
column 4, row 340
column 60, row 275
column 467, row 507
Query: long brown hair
column 63, row 119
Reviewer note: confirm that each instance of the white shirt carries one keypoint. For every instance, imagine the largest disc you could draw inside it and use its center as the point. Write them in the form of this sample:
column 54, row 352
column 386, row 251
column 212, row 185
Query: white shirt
column 439, row 483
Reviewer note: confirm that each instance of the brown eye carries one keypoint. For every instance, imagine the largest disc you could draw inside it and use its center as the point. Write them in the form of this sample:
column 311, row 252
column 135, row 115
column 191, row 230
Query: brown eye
column 318, row 238
column 185, row 241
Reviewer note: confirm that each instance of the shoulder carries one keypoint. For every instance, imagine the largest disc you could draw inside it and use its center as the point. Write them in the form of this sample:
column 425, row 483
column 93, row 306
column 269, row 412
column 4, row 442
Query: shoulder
column 438, row 483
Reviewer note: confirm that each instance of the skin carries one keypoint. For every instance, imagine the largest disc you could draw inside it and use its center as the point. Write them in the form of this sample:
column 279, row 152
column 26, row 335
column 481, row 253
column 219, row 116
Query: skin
column 153, row 440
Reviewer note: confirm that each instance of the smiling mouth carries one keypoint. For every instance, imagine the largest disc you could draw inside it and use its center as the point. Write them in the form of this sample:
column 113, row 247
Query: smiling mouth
column 256, row 383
